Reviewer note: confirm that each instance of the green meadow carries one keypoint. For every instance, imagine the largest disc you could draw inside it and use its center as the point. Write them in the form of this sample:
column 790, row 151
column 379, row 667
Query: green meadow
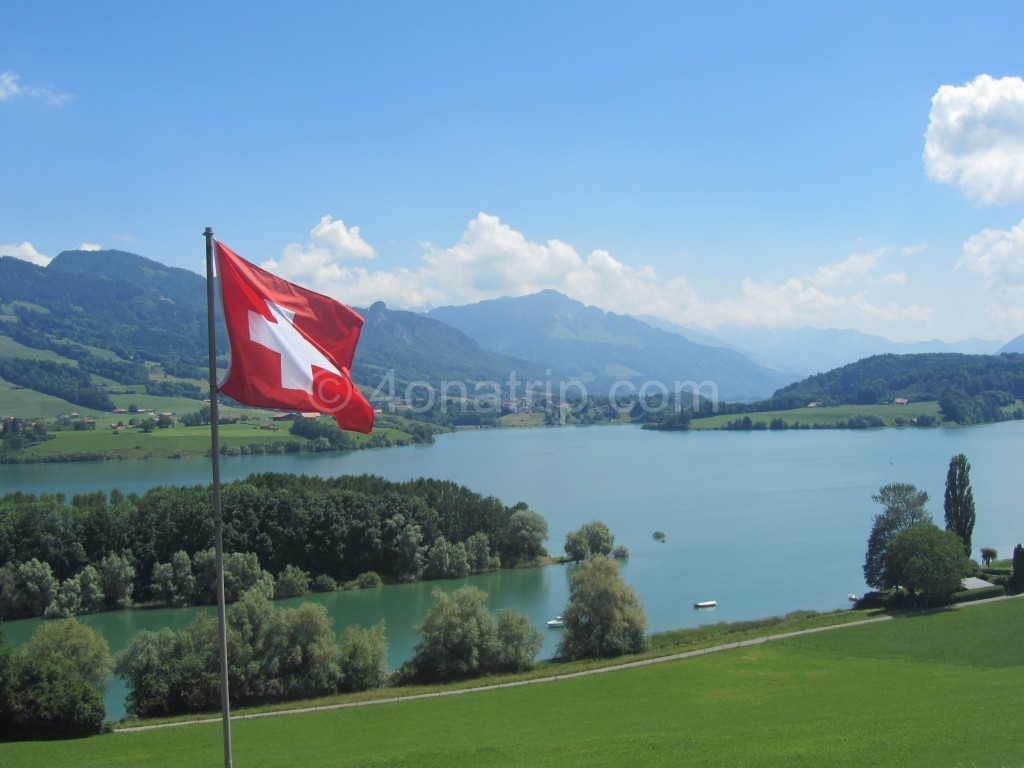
column 943, row 689
column 828, row 415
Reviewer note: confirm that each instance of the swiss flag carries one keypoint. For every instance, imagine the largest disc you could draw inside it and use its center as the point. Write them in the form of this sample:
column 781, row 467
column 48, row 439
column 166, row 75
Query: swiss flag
column 291, row 348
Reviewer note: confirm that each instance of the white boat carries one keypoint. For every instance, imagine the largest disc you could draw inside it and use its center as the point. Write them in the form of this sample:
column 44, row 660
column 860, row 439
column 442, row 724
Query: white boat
column 853, row 597
column 706, row 604
column 558, row 621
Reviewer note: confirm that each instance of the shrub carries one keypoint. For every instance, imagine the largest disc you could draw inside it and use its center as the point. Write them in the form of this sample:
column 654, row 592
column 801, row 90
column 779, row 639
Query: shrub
column 291, row 582
column 460, row 638
column 367, row 580
column 970, row 595
column 324, row 583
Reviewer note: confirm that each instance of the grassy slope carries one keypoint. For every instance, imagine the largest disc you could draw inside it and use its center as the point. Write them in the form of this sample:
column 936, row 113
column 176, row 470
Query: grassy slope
column 923, row 691
column 829, row 415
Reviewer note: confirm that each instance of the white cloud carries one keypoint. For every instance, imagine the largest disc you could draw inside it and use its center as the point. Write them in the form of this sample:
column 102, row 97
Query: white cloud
column 850, row 270
column 998, row 255
column 90, row 247
column 11, row 89
column 26, row 252
column 1006, row 318
column 975, row 138
column 816, row 300
column 490, row 260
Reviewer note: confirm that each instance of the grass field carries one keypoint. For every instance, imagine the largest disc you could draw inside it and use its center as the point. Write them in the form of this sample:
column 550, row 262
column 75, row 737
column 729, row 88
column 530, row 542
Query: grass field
column 829, row 415
column 937, row 690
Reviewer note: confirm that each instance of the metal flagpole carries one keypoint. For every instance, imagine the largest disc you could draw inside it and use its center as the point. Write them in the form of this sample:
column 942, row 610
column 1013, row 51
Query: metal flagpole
column 218, row 518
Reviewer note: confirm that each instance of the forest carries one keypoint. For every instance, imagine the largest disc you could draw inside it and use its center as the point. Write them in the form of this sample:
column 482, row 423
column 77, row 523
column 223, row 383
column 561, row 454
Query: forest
column 282, row 533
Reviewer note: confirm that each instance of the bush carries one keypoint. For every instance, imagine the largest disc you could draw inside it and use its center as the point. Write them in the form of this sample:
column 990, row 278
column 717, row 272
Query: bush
column 324, row 583
column 291, row 582
column 459, row 638
column 970, row 595
column 367, row 580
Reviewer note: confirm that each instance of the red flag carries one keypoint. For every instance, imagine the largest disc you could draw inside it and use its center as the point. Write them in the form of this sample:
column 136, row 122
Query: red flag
column 291, row 348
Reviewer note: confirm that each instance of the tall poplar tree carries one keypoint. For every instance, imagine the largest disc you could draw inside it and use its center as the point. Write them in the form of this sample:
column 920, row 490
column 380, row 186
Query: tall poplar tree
column 959, row 500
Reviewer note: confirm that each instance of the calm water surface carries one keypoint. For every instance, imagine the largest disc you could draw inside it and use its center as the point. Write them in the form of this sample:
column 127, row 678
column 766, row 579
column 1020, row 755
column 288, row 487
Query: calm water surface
column 763, row 522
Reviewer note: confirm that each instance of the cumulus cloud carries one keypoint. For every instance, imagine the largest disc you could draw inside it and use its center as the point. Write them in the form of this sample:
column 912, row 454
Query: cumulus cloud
column 817, row 299
column 849, row 270
column 998, row 255
column 11, row 89
column 489, row 260
column 26, row 252
column 975, row 138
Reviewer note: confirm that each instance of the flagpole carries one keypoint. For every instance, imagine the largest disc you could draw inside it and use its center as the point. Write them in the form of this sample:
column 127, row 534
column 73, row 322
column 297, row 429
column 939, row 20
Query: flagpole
column 218, row 519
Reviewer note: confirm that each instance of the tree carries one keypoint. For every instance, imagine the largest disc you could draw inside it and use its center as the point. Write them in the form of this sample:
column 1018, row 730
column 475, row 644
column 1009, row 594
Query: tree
column 959, row 500
column 308, row 666
column 172, row 672
column 242, row 573
column 364, row 658
column 291, row 582
column 34, row 587
column 460, row 638
column 577, row 547
column 604, row 616
column 904, row 508
column 590, row 540
column 1017, row 577
column 925, row 560
column 59, row 676
column 162, row 583
column 92, row 589
column 988, row 554
column 7, row 683
column 519, row 642
column 68, row 600
column 600, row 539
column 118, row 579
column 478, row 552
column 527, row 532
column 184, row 579
column 408, row 553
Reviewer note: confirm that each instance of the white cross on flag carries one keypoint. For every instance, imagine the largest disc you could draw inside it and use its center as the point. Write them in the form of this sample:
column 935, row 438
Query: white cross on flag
column 291, row 348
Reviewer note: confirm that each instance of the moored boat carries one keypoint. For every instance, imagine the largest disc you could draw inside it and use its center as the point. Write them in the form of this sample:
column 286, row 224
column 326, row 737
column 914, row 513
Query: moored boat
column 706, row 604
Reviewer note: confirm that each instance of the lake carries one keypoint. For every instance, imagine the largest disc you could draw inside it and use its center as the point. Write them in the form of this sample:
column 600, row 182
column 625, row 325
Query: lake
column 763, row 522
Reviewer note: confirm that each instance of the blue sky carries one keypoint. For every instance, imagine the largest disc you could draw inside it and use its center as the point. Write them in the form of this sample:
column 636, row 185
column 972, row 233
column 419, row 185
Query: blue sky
column 855, row 165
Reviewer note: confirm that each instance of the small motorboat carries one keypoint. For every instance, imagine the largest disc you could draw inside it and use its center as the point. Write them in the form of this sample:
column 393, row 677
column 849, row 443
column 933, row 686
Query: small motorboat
column 853, row 598
column 558, row 621
column 706, row 604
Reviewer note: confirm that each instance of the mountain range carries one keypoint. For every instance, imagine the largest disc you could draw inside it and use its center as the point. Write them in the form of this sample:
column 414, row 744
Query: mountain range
column 806, row 350
column 115, row 313
column 599, row 348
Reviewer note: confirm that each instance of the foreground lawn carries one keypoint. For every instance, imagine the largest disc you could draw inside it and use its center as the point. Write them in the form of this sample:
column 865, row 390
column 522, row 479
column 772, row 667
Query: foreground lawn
column 937, row 690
